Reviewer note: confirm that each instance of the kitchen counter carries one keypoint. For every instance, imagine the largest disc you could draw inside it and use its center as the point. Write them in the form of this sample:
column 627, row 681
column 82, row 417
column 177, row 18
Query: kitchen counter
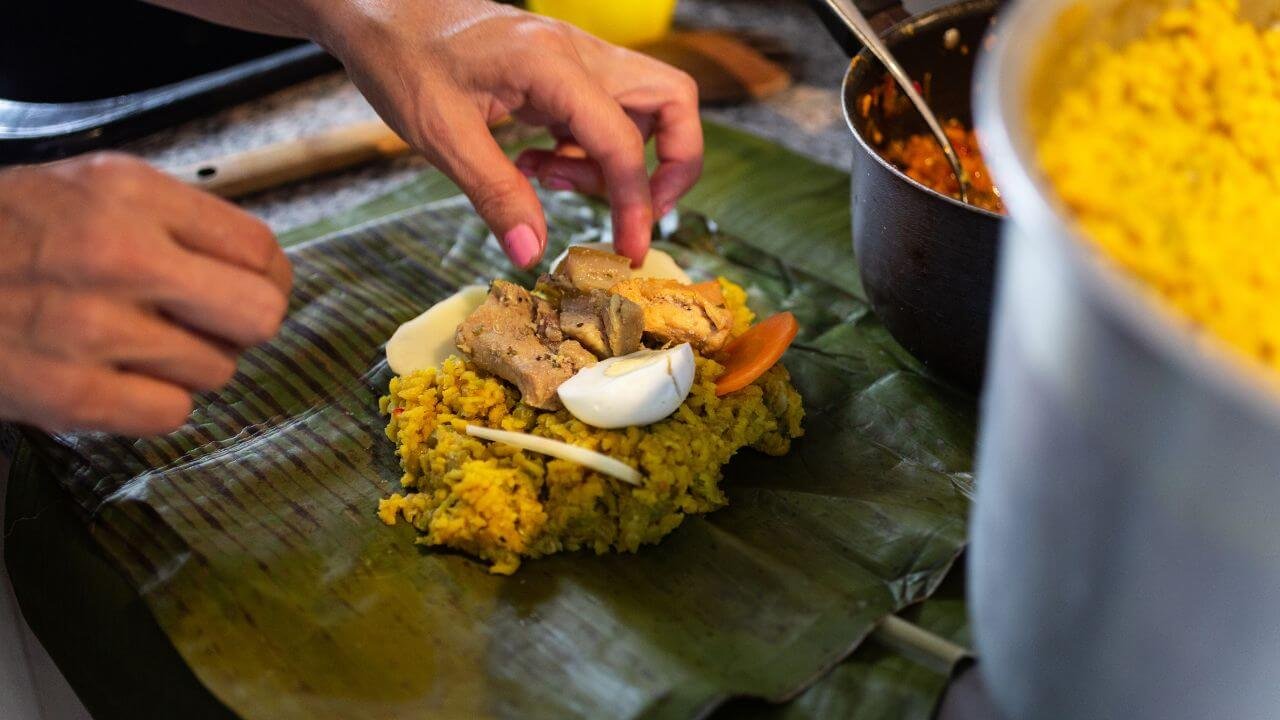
column 805, row 118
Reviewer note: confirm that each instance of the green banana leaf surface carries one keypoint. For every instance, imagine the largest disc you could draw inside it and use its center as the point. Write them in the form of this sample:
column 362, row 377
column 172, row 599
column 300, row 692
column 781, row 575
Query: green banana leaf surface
column 251, row 535
column 876, row 683
column 122, row 667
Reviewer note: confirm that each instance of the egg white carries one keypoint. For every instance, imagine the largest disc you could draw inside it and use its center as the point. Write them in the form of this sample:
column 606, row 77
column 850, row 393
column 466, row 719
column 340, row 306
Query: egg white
column 633, row 390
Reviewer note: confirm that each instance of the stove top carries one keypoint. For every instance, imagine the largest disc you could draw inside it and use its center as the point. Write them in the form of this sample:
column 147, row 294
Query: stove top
column 80, row 74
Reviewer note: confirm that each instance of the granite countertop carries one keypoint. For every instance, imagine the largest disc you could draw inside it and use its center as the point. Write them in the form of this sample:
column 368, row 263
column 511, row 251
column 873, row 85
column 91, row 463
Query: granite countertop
column 805, row 118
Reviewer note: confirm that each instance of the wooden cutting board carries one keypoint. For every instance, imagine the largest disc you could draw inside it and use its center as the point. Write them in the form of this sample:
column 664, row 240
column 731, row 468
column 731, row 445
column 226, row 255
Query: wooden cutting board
column 727, row 66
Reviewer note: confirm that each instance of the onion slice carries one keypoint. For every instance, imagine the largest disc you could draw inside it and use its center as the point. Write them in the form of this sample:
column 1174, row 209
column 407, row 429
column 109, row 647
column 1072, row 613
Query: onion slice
column 563, row 450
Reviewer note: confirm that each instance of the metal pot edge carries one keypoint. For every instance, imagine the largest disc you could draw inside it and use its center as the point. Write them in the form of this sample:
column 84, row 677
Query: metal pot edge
column 924, row 21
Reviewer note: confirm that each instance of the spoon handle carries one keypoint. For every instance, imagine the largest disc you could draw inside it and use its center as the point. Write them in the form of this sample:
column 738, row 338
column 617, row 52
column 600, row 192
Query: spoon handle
column 857, row 23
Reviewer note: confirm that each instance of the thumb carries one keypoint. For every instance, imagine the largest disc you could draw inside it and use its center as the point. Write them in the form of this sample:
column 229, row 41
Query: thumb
column 500, row 193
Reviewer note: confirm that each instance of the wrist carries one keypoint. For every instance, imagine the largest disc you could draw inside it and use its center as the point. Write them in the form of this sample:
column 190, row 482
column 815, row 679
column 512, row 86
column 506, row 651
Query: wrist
column 321, row 21
column 347, row 26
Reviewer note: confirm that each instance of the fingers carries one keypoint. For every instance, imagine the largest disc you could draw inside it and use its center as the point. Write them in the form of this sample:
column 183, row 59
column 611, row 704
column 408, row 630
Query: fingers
column 595, row 148
column 614, row 143
column 598, row 123
column 58, row 396
column 568, row 167
column 136, row 292
column 195, row 219
column 142, row 263
column 212, row 226
column 221, row 301
column 499, row 192
column 678, row 140
column 556, row 171
column 98, row 330
column 677, row 136
column 654, row 92
column 669, row 106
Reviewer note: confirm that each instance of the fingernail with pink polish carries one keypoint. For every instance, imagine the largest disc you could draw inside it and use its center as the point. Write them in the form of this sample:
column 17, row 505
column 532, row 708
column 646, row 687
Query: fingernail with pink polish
column 522, row 245
column 557, row 183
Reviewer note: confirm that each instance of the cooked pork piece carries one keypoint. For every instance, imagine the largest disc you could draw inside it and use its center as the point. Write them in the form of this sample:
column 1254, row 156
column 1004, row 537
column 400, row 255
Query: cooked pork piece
column 546, row 321
column 501, row 337
column 575, row 355
column 676, row 313
column 585, row 269
column 606, row 324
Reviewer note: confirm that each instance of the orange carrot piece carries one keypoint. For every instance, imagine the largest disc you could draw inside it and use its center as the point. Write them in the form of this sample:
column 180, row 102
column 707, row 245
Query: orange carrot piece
column 747, row 357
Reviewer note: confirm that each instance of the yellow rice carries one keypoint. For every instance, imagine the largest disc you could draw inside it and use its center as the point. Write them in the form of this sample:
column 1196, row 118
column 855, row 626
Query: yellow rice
column 1168, row 154
column 502, row 504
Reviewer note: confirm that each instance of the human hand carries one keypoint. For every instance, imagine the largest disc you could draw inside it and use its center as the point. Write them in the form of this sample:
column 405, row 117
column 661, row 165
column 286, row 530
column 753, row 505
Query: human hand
column 122, row 291
column 441, row 72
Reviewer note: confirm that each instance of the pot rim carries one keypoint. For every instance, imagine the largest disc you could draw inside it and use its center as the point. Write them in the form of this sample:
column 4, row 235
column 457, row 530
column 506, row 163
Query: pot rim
column 903, row 30
column 1008, row 58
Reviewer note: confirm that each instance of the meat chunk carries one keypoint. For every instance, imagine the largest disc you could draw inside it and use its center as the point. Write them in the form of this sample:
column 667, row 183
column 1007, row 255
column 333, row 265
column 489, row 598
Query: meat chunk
column 501, row 337
column 576, row 355
column 712, row 291
column 676, row 313
column 606, row 324
column 586, row 269
column 546, row 321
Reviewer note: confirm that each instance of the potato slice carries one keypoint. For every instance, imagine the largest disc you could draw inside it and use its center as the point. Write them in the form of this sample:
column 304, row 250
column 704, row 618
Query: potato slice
column 427, row 340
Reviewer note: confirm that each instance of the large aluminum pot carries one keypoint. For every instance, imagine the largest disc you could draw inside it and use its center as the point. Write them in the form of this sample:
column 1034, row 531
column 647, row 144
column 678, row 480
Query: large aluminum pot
column 1126, row 541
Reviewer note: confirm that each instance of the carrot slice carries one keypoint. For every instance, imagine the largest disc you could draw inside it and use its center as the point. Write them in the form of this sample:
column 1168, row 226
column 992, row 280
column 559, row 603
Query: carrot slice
column 746, row 358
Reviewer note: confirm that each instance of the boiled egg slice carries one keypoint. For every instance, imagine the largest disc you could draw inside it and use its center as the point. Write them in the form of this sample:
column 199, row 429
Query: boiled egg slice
column 427, row 340
column 657, row 264
column 637, row 389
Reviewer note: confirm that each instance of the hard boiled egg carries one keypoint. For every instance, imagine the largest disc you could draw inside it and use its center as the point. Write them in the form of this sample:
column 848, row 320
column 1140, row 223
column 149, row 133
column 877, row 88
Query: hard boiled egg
column 637, row 389
column 427, row 340
column 657, row 264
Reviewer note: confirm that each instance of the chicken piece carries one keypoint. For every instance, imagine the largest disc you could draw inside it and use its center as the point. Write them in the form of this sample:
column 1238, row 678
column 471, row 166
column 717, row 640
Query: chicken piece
column 606, row 324
column 712, row 291
column 676, row 313
column 501, row 337
column 586, row 269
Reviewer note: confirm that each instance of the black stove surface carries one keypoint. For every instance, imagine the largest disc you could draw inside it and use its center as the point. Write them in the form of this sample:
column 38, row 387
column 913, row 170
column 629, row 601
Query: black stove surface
column 79, row 74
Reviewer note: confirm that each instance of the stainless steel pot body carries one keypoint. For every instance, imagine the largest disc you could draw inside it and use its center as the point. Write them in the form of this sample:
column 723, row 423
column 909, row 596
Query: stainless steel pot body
column 1125, row 558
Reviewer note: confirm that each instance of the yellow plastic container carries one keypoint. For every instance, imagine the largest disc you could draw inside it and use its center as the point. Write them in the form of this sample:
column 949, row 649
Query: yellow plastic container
column 622, row 22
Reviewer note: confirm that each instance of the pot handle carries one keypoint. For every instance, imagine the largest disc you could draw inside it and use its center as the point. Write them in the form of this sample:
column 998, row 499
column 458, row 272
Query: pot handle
column 882, row 14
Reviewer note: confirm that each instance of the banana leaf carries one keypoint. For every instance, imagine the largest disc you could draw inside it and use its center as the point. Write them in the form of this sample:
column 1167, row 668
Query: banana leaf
column 250, row 535
column 875, row 683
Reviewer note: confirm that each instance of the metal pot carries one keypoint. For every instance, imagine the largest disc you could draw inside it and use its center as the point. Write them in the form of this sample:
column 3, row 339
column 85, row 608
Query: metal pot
column 927, row 261
column 1125, row 558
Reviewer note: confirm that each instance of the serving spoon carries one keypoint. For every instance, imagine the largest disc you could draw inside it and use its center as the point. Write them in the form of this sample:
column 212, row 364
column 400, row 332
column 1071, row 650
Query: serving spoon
column 858, row 25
